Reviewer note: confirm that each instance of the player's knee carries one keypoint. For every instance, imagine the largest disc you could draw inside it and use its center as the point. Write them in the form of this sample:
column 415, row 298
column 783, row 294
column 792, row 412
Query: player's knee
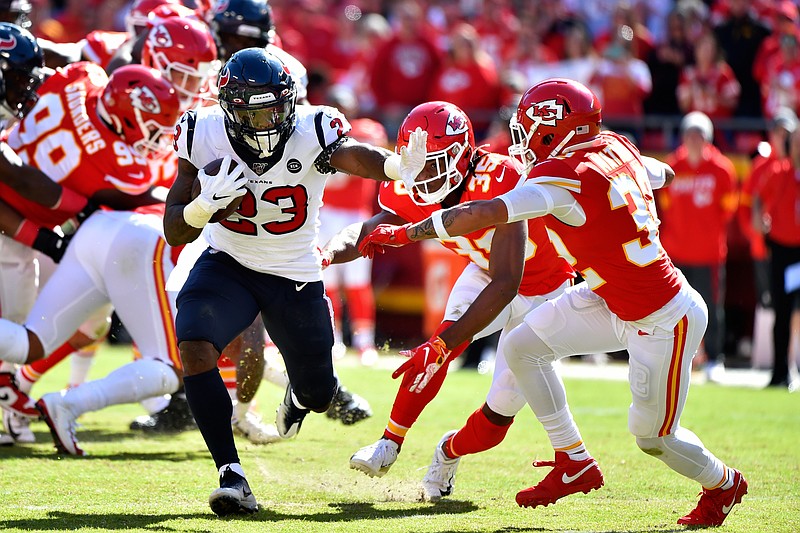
column 523, row 348
column 504, row 396
column 197, row 357
column 654, row 446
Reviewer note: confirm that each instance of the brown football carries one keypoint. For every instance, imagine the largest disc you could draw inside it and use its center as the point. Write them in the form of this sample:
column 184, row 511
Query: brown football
column 212, row 169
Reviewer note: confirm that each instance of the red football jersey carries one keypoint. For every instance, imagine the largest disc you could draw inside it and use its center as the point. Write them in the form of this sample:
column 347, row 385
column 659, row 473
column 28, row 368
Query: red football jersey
column 100, row 46
column 617, row 250
column 343, row 191
column 494, row 175
column 64, row 137
column 697, row 207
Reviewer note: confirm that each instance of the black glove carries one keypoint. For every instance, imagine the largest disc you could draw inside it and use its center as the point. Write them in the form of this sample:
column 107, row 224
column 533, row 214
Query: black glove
column 51, row 244
column 87, row 211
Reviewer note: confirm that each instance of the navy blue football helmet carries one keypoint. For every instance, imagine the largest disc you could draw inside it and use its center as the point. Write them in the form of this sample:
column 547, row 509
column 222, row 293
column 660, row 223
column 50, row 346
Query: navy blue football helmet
column 21, row 71
column 258, row 97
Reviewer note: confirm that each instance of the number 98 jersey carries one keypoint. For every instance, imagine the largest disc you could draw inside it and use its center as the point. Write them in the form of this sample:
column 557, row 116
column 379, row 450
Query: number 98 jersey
column 274, row 230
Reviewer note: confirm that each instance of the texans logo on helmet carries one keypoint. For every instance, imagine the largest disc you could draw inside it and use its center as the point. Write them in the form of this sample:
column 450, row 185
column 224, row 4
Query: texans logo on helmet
column 546, row 112
column 8, row 44
column 142, row 98
column 456, row 123
column 224, row 78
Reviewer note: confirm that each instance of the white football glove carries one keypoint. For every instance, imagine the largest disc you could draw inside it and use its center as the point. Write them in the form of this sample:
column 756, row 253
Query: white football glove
column 218, row 191
column 412, row 157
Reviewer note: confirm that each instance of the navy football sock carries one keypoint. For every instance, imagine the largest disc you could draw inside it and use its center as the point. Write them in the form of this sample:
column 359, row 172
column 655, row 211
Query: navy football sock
column 212, row 408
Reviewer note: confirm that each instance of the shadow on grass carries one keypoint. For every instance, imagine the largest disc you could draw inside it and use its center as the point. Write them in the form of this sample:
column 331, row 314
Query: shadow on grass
column 340, row 512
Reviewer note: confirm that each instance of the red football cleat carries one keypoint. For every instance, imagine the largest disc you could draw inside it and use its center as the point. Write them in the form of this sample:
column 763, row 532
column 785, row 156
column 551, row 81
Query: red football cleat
column 715, row 504
column 567, row 477
column 13, row 399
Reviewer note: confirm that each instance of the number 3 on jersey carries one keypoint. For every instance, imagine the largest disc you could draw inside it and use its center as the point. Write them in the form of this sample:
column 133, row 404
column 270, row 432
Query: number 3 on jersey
column 291, row 200
column 625, row 192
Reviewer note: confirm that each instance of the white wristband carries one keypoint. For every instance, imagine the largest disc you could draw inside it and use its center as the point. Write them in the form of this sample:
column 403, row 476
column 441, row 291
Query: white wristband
column 391, row 167
column 438, row 225
column 197, row 215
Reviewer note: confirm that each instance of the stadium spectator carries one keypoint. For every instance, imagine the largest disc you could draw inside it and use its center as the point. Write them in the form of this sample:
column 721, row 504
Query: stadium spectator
column 623, row 81
column 740, row 35
column 784, row 22
column 666, row 61
column 468, row 78
column 709, row 85
column 404, row 66
column 781, row 82
column 695, row 214
column 626, row 19
column 776, row 201
column 633, row 297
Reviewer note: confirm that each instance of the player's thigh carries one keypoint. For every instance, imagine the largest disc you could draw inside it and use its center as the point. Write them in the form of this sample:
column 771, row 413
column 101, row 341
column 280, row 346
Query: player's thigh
column 576, row 322
column 18, row 279
column 70, row 296
column 660, row 367
column 217, row 301
column 135, row 276
column 464, row 292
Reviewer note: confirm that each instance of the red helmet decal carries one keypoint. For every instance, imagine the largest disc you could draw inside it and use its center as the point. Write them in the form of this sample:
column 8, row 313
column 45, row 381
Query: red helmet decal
column 8, row 44
column 160, row 37
column 142, row 98
column 456, row 123
column 546, row 112
column 221, row 6
column 224, row 78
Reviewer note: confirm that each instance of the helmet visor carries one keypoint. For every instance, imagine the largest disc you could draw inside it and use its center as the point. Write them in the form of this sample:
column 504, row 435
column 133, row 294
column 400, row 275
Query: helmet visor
column 263, row 118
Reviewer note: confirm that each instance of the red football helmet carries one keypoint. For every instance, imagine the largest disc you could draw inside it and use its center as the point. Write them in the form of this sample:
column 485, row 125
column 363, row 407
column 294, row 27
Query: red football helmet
column 184, row 51
column 165, row 11
column 451, row 147
column 136, row 19
column 550, row 116
column 142, row 107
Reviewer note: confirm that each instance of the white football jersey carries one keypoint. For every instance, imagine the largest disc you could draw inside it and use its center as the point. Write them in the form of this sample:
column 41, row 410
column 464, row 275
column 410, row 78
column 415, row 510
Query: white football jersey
column 274, row 230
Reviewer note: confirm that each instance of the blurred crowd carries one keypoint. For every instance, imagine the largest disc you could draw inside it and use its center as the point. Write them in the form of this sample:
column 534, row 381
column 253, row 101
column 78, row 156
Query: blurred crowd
column 731, row 59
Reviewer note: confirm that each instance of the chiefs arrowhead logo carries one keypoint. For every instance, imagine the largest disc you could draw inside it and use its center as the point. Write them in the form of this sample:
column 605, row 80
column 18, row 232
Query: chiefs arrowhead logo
column 456, row 123
column 546, row 113
column 142, row 98
column 160, row 37
column 8, row 44
column 224, row 78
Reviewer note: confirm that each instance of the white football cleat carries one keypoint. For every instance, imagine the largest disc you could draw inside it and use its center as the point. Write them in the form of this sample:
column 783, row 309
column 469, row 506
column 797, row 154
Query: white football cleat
column 289, row 417
column 255, row 430
column 18, row 427
column 376, row 459
column 61, row 421
column 440, row 480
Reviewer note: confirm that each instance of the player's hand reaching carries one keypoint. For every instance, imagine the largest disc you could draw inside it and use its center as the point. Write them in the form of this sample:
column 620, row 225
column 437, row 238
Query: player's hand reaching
column 383, row 235
column 422, row 364
column 412, row 157
column 218, row 191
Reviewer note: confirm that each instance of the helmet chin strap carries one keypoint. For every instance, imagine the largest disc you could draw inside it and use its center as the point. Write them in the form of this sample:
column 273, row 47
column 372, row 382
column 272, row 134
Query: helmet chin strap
column 562, row 144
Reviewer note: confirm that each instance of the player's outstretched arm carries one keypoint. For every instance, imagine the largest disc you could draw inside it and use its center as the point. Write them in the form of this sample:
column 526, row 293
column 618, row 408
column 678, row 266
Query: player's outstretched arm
column 343, row 247
column 365, row 160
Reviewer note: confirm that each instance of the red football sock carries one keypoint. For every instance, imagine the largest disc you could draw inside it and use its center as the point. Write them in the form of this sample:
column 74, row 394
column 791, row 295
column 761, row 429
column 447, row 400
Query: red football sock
column 477, row 435
column 361, row 304
column 409, row 405
column 34, row 371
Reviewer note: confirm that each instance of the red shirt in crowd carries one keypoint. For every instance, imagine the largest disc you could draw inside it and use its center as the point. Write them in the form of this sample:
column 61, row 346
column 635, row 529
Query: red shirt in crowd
column 473, row 86
column 779, row 191
column 715, row 92
column 403, row 70
column 697, row 207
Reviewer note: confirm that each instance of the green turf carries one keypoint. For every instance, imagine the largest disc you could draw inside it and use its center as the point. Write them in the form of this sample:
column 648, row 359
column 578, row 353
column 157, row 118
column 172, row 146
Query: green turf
column 131, row 482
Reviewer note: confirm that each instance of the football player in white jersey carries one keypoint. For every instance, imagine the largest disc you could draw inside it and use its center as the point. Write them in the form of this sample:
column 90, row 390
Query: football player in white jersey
column 263, row 259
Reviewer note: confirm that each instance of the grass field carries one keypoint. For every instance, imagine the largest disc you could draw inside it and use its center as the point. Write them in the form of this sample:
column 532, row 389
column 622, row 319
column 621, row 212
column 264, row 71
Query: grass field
column 137, row 483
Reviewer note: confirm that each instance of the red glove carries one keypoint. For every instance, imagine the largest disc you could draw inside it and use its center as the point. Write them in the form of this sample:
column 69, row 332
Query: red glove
column 423, row 362
column 384, row 235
